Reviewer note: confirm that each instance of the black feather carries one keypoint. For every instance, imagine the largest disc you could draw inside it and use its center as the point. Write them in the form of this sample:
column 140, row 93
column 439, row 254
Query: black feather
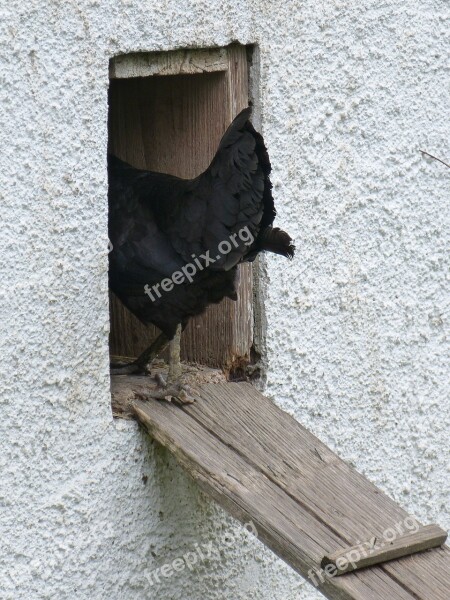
column 157, row 222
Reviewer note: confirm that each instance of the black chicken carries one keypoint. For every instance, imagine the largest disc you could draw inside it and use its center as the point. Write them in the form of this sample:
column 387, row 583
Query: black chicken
column 177, row 243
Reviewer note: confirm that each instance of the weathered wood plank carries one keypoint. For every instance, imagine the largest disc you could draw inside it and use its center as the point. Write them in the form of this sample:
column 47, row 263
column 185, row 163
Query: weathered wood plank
column 241, row 490
column 369, row 553
column 178, row 62
column 333, row 491
column 261, row 464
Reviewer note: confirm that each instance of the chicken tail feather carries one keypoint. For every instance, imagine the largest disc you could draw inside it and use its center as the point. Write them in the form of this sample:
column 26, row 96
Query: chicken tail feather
column 274, row 239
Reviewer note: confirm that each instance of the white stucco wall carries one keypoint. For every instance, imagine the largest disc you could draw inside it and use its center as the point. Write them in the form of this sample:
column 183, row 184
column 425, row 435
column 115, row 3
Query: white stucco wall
column 356, row 325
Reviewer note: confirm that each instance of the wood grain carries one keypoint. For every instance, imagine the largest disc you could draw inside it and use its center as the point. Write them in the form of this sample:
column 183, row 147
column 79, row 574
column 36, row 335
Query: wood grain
column 178, row 62
column 374, row 551
column 262, row 465
column 173, row 123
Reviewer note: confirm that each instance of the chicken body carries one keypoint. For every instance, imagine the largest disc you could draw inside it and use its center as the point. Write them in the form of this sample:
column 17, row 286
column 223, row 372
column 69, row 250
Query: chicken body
column 177, row 243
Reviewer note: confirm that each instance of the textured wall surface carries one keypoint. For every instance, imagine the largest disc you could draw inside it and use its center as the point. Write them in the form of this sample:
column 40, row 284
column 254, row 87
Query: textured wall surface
column 356, row 325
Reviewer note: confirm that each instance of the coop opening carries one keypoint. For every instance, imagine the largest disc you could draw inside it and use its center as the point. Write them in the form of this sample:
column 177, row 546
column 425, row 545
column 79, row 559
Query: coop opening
column 167, row 113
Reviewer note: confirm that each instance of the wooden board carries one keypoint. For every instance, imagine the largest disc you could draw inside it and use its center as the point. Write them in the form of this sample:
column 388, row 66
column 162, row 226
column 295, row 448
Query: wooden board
column 168, row 112
column 262, row 465
column 177, row 62
column 375, row 552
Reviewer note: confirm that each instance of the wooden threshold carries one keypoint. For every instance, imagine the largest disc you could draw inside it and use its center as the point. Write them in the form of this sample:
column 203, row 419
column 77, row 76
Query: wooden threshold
column 261, row 465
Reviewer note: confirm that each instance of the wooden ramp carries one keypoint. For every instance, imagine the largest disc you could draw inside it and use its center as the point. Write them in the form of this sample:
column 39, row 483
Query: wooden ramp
column 261, row 465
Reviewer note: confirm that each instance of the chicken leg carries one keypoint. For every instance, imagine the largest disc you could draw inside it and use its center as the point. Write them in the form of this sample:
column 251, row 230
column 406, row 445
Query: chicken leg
column 140, row 364
column 173, row 389
column 174, row 357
